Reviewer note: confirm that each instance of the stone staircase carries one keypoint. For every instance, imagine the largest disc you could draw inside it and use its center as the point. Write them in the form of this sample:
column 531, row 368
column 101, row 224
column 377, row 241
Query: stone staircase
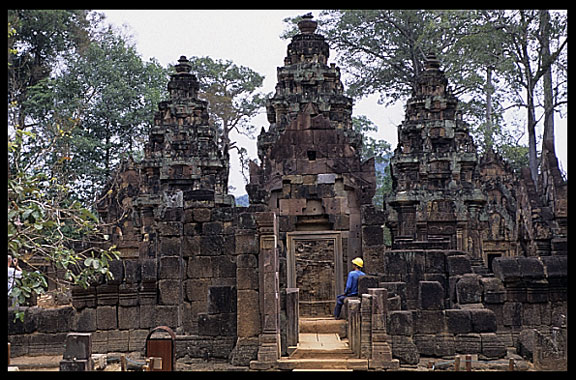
column 478, row 267
column 321, row 347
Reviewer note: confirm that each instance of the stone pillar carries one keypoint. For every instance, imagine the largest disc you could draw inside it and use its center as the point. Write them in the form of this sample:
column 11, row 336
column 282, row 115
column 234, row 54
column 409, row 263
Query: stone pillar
column 366, row 326
column 353, row 313
column 373, row 238
column 381, row 355
column 269, row 339
column 248, row 319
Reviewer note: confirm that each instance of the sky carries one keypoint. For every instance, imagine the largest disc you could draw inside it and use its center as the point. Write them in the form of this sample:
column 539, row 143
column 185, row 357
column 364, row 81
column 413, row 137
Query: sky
column 250, row 38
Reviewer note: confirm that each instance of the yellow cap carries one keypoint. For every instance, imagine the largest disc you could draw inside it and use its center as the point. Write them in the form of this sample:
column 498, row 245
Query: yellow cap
column 358, row 262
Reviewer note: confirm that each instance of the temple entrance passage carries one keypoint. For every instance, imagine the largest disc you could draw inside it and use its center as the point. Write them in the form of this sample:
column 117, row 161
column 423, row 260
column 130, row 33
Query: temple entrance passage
column 314, row 266
column 315, row 276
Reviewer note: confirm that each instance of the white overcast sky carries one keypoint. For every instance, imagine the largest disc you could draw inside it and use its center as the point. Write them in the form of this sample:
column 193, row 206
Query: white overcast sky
column 249, row 38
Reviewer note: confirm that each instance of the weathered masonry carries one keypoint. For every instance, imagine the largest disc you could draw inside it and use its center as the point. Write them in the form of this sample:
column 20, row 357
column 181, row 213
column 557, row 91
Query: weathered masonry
column 478, row 261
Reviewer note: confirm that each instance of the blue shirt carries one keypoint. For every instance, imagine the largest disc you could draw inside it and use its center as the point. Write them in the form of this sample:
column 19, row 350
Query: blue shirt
column 352, row 282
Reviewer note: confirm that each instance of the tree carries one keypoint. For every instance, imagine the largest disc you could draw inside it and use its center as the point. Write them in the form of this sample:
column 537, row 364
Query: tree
column 380, row 150
column 530, row 35
column 553, row 97
column 97, row 108
column 37, row 41
column 233, row 100
column 46, row 226
column 64, row 83
column 479, row 51
column 383, row 52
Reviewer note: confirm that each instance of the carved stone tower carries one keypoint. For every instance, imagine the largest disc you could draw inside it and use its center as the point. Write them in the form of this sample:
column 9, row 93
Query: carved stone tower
column 436, row 199
column 182, row 155
column 311, row 174
column 166, row 214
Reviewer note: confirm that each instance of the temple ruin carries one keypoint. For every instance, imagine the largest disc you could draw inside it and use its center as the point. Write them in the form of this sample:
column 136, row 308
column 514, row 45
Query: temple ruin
column 478, row 262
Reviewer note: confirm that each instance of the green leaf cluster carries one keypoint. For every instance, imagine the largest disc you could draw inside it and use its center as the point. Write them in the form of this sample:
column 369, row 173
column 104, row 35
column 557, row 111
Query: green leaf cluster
column 94, row 104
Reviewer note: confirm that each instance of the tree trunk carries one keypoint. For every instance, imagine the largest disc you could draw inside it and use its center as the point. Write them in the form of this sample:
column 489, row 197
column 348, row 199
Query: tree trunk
column 530, row 86
column 532, row 156
column 548, row 136
column 489, row 89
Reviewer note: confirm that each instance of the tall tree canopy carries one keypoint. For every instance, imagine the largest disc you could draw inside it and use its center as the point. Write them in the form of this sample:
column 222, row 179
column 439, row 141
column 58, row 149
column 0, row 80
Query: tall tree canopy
column 93, row 109
column 78, row 98
column 231, row 91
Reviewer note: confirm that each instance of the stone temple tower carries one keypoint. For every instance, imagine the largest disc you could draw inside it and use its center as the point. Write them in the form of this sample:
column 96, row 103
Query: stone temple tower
column 182, row 154
column 436, row 198
column 311, row 174
column 165, row 214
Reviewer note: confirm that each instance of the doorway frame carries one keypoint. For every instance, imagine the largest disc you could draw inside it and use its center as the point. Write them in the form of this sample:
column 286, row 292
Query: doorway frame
column 294, row 236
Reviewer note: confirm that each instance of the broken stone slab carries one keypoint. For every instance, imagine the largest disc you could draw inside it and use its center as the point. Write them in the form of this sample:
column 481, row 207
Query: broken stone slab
column 404, row 349
column 483, row 320
column 78, row 353
column 493, row 290
column 458, row 321
column 458, row 265
column 75, row 365
column 492, row 346
column 78, row 346
column 507, row 269
column 469, row 289
column 400, row 323
column 431, row 295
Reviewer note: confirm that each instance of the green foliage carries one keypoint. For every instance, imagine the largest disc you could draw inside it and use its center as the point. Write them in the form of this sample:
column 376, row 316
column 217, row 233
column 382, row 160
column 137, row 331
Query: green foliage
column 46, row 226
column 36, row 41
column 61, row 83
column 95, row 109
column 490, row 57
column 382, row 50
column 231, row 91
column 380, row 150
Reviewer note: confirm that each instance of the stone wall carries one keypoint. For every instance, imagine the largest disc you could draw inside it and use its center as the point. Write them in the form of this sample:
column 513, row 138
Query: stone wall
column 434, row 307
column 439, row 307
column 217, row 275
column 532, row 295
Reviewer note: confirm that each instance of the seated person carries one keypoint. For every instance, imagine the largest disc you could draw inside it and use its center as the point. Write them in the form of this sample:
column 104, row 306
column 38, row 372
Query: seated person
column 351, row 285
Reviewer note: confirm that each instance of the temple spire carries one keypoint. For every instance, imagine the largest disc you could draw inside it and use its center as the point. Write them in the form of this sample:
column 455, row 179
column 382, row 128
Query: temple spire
column 307, row 25
column 432, row 62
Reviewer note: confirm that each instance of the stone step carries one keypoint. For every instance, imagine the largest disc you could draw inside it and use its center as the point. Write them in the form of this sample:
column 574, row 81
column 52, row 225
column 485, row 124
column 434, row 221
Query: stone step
column 325, row 364
column 321, row 341
column 329, row 353
column 322, row 325
column 322, row 351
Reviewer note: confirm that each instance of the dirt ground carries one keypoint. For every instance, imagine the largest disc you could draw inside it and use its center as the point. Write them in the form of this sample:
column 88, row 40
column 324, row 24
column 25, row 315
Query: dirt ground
column 51, row 363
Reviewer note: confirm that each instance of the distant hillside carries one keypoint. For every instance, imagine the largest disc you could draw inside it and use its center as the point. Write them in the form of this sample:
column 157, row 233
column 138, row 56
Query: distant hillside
column 242, row 201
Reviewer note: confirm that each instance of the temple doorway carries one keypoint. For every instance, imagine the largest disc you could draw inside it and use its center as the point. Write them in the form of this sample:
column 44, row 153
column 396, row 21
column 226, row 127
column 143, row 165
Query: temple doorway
column 315, row 267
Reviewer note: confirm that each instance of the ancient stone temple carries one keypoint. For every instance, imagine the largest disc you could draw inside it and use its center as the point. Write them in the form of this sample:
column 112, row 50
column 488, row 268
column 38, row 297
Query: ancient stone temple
column 436, row 200
column 499, row 185
column 170, row 226
column 458, row 264
column 311, row 174
column 478, row 263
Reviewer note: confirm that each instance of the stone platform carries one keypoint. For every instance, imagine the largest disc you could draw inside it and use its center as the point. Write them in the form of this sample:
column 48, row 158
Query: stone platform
column 322, row 325
column 321, row 347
